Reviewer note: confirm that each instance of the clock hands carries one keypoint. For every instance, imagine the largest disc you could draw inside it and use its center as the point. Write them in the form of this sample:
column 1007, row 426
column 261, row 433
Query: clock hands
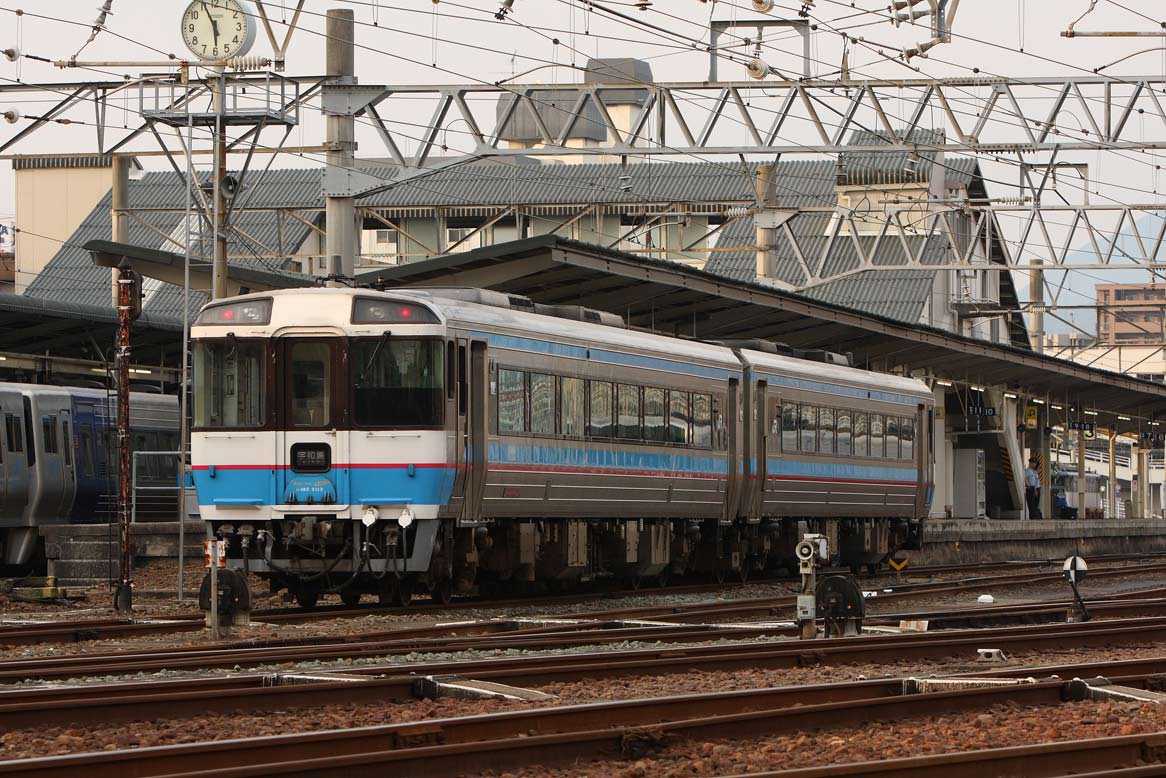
column 214, row 24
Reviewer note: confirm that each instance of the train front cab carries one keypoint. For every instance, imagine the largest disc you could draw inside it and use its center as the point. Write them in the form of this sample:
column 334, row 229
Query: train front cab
column 322, row 452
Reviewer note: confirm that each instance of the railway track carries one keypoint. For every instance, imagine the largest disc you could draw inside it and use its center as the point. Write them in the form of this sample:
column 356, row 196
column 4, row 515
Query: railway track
column 564, row 734
column 780, row 606
column 104, row 702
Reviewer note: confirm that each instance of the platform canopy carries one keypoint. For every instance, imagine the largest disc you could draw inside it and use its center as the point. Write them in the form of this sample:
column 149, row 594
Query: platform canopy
column 33, row 330
column 683, row 301
column 686, row 302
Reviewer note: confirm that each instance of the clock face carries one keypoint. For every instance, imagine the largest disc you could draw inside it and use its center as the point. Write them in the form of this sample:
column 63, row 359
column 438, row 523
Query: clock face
column 218, row 29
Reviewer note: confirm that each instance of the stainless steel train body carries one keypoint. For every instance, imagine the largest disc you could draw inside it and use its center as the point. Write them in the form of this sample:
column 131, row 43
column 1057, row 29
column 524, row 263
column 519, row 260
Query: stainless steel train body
column 57, row 460
column 366, row 442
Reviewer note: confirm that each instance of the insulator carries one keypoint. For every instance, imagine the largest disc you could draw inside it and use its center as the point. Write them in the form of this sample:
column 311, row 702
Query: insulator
column 12, row 54
column 762, row 6
column 250, row 62
column 12, row 116
column 757, row 68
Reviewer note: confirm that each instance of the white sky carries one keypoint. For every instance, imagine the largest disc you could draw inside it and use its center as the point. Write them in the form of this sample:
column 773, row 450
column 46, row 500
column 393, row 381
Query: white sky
column 1017, row 38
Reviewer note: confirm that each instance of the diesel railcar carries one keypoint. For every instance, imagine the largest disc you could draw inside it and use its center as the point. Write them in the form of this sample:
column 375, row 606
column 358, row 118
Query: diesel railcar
column 57, row 460
column 356, row 441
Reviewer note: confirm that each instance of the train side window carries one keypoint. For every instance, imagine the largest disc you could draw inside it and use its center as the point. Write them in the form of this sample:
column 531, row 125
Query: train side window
column 654, row 415
column 572, row 405
column 907, row 438
column 842, row 435
column 826, row 430
column 861, row 435
column 67, row 442
column 679, row 422
column 892, row 437
column 601, row 424
column 789, row 427
column 877, row 447
column 15, row 434
column 48, row 428
column 808, row 422
column 702, row 421
column 628, row 403
column 542, row 403
column 511, row 401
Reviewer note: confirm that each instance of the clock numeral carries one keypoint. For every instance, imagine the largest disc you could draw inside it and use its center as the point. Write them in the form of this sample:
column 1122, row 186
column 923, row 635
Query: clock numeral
column 238, row 26
column 236, row 39
column 194, row 41
column 194, row 14
column 190, row 28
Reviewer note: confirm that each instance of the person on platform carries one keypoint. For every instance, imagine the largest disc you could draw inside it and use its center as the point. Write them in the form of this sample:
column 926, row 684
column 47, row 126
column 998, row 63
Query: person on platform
column 1032, row 489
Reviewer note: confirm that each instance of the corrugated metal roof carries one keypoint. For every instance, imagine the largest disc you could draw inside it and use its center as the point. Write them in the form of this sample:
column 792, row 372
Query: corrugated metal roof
column 481, row 184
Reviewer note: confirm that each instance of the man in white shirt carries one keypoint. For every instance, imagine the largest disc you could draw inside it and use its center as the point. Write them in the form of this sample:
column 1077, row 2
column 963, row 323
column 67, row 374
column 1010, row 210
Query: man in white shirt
column 1032, row 489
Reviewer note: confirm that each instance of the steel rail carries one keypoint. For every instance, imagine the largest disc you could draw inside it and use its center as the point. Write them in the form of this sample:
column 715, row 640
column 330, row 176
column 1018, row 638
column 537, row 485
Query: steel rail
column 543, row 736
column 144, row 700
column 1079, row 758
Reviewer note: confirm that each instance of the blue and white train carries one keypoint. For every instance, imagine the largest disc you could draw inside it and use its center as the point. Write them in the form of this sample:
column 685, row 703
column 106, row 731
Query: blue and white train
column 356, row 441
column 58, row 460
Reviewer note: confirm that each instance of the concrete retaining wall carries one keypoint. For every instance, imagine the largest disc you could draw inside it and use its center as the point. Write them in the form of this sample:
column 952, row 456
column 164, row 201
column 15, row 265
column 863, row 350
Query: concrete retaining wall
column 80, row 554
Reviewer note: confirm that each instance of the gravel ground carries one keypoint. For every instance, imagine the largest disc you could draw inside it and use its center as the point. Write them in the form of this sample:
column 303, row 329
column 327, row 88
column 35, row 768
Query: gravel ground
column 996, row 727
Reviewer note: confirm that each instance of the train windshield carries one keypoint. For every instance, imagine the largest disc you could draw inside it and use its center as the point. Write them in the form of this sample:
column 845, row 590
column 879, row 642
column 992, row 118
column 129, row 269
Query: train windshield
column 398, row 382
column 230, row 386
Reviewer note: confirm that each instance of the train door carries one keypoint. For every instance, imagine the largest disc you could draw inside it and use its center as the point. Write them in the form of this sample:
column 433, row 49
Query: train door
column 477, row 451
column 760, row 449
column 15, row 462
column 459, row 378
column 64, row 434
column 731, row 421
column 923, row 432
column 308, row 446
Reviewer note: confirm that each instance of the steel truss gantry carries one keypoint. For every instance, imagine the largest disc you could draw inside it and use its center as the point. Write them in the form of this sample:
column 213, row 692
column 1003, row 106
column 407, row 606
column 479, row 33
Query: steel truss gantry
column 988, row 115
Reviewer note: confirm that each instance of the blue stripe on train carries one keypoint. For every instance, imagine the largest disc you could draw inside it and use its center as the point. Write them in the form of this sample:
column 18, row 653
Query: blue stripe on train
column 432, row 485
column 354, row 486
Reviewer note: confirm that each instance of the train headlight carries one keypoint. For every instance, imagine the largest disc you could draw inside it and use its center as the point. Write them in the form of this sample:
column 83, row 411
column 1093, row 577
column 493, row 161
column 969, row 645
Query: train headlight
column 406, row 517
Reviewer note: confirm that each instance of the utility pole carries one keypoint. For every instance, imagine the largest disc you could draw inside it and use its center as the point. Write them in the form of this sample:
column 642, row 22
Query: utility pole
column 1036, row 296
column 340, row 205
column 128, row 308
column 219, row 270
column 119, row 216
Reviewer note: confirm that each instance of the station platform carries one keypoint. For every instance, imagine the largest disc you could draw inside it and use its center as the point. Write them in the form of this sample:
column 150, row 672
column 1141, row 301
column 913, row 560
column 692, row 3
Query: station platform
column 948, row 541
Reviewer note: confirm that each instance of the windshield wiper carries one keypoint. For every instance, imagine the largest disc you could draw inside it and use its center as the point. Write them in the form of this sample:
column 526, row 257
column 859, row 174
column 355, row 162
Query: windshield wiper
column 373, row 356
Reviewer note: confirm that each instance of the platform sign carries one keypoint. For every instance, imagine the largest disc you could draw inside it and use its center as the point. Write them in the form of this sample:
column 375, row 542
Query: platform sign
column 1075, row 569
column 1031, row 418
column 898, row 564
